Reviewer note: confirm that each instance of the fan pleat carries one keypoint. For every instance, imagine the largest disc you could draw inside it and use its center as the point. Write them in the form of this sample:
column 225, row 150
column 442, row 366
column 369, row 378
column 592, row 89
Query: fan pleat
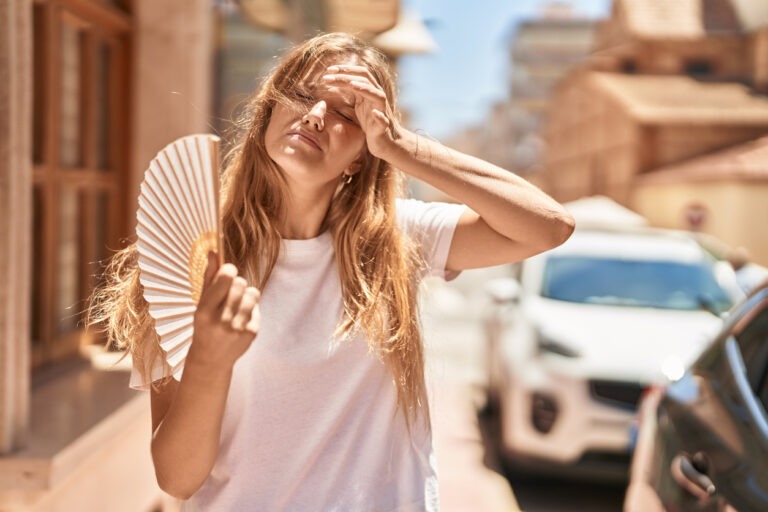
column 151, row 255
column 176, row 354
column 176, row 342
column 176, row 218
column 180, row 168
column 161, row 298
column 188, row 181
column 146, row 229
column 200, row 161
column 150, row 215
column 165, row 326
column 179, row 202
column 162, row 203
column 159, row 273
column 207, row 188
column 171, row 311
column 150, row 282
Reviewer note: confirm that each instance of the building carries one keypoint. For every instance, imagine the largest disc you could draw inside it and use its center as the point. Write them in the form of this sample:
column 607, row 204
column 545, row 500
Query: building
column 541, row 51
column 693, row 192
column 92, row 90
column 668, row 82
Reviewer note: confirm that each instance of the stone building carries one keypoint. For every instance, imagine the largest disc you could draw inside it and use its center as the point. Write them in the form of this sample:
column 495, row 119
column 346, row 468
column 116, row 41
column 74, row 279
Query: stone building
column 668, row 82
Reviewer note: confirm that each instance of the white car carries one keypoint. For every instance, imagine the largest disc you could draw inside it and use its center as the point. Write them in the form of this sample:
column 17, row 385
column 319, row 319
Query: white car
column 586, row 328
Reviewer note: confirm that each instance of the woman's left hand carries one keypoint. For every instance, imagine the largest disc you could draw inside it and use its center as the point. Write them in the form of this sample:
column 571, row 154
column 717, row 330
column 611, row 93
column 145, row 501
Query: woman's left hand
column 371, row 106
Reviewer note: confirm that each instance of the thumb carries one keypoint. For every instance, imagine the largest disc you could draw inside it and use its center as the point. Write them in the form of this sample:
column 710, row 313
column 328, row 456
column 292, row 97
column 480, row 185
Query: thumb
column 210, row 269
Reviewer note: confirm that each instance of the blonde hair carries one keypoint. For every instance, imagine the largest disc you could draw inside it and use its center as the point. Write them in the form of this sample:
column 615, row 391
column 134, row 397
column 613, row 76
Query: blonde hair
column 377, row 264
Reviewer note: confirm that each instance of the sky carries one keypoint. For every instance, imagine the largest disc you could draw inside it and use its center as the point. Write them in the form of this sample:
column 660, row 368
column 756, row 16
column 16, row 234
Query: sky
column 455, row 87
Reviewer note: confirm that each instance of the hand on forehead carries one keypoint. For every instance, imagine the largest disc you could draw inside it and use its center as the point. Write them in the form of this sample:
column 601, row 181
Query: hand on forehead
column 314, row 82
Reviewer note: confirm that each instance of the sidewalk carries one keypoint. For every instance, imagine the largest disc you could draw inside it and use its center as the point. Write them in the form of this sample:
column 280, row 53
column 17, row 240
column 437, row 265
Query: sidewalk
column 466, row 484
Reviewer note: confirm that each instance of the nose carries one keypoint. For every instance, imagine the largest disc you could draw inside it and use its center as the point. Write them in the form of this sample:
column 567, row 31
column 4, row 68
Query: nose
column 316, row 116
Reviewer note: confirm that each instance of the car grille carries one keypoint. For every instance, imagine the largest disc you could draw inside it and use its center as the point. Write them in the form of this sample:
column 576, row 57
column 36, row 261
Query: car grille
column 616, row 393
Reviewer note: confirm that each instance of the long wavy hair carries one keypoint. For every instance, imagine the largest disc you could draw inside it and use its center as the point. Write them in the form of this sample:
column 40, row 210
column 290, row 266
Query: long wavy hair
column 377, row 264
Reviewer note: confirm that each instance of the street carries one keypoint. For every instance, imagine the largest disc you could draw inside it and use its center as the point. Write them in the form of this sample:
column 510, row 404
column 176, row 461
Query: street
column 471, row 478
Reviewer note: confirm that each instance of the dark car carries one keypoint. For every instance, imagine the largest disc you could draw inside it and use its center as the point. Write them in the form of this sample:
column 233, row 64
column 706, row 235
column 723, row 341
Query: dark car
column 702, row 442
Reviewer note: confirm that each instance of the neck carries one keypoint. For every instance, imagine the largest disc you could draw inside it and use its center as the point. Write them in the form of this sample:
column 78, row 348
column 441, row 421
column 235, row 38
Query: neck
column 305, row 213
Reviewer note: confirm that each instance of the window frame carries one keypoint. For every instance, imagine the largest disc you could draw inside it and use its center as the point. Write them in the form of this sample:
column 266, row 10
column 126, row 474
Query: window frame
column 97, row 23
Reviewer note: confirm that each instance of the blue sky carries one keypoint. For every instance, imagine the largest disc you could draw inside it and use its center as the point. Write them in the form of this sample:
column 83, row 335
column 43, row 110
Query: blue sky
column 455, row 86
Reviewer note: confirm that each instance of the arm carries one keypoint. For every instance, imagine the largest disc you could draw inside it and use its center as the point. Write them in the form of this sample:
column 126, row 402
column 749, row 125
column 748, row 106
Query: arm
column 187, row 415
column 508, row 218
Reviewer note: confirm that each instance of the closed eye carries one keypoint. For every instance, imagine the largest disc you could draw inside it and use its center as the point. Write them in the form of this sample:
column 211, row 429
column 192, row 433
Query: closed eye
column 345, row 116
column 303, row 96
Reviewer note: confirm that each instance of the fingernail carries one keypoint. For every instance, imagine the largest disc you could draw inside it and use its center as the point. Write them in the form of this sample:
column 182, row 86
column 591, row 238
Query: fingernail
column 333, row 68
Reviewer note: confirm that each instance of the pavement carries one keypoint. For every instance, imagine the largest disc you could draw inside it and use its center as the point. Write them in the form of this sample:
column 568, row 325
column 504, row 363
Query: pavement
column 455, row 353
column 466, row 483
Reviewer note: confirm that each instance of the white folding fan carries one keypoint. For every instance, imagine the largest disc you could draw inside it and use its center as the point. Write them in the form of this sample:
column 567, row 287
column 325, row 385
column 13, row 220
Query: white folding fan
column 178, row 223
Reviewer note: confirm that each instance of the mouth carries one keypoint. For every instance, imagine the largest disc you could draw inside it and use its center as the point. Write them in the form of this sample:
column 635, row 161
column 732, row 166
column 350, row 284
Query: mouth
column 305, row 138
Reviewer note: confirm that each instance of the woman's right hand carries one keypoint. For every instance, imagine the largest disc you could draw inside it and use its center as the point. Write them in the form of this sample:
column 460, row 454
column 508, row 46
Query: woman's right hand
column 227, row 318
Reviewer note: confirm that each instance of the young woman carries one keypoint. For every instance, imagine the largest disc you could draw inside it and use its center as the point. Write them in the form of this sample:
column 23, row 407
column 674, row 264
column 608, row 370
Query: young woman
column 303, row 388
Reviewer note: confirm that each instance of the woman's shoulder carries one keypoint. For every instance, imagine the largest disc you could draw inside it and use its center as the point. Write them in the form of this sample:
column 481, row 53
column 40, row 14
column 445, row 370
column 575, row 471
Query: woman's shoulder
column 430, row 224
column 413, row 213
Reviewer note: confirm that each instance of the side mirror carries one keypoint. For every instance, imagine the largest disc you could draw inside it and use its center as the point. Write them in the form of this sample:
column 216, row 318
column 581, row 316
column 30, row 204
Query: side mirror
column 503, row 290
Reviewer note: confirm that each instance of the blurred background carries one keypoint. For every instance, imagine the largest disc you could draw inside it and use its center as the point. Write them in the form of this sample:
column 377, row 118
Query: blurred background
column 656, row 108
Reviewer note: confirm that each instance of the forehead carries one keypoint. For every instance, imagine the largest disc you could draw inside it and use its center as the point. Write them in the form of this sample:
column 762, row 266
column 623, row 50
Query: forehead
column 312, row 79
column 319, row 67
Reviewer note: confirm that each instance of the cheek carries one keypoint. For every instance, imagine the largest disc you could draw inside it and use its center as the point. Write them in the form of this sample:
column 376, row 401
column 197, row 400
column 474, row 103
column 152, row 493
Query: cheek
column 351, row 137
column 270, row 139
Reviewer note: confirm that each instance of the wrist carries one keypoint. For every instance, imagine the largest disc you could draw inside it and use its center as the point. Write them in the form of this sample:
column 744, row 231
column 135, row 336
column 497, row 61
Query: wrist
column 396, row 145
column 199, row 367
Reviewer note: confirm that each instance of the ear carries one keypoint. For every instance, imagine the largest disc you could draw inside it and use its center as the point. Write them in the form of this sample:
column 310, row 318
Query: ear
column 355, row 166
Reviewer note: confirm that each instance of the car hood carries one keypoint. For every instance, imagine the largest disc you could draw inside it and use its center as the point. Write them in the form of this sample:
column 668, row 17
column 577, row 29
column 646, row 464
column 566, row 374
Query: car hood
column 645, row 344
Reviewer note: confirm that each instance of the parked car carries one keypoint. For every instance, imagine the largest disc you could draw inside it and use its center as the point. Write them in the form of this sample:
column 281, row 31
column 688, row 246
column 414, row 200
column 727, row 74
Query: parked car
column 703, row 440
column 584, row 330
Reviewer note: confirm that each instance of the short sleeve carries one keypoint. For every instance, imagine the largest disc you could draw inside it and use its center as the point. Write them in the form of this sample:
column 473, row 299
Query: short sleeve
column 431, row 225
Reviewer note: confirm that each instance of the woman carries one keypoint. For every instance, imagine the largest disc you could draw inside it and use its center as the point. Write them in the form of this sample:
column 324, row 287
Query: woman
column 305, row 389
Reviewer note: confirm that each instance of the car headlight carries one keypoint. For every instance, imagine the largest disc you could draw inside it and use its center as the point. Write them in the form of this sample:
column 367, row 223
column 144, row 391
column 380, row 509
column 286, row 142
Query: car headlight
column 546, row 344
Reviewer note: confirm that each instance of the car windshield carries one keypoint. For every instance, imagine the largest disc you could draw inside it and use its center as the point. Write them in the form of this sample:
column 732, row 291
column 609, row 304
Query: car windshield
column 633, row 283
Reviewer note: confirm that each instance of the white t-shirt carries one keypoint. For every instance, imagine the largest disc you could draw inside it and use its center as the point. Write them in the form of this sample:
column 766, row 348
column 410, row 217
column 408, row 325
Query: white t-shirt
column 310, row 422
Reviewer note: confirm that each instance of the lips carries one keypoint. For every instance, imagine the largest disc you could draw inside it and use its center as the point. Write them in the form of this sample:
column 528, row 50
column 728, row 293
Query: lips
column 306, row 138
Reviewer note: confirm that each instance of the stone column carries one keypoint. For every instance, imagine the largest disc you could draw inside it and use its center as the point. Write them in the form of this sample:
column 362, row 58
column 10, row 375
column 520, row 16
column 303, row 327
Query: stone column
column 15, row 218
column 172, row 78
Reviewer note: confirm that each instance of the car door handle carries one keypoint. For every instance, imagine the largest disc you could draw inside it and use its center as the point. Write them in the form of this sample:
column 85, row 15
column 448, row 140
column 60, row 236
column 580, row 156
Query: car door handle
column 691, row 479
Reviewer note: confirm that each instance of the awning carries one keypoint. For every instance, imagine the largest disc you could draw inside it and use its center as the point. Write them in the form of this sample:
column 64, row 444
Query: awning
column 355, row 16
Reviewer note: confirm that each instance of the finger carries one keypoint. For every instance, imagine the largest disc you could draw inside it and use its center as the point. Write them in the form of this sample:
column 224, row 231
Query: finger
column 342, row 78
column 234, row 296
column 248, row 301
column 210, row 269
column 368, row 90
column 212, row 296
column 355, row 70
column 254, row 324
column 381, row 116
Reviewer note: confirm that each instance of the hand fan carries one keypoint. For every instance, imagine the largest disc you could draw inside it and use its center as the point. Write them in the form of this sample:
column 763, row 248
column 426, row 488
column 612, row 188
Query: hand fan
column 178, row 223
